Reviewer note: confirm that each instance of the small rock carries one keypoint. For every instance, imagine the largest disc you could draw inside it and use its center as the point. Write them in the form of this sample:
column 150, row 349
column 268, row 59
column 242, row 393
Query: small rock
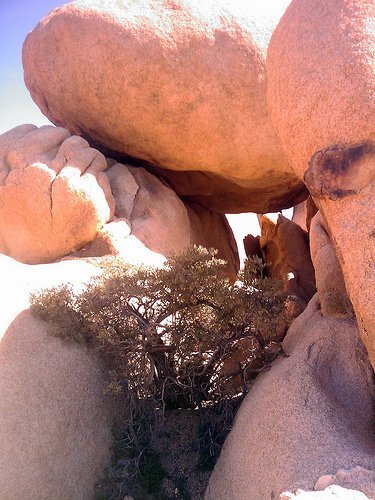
column 287, row 495
column 323, row 482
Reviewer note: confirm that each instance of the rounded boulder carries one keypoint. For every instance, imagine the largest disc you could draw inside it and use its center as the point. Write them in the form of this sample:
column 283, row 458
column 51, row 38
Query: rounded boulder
column 321, row 76
column 54, row 193
column 178, row 84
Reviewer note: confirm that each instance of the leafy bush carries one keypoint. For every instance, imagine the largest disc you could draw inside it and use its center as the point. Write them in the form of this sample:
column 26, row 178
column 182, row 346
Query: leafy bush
column 182, row 336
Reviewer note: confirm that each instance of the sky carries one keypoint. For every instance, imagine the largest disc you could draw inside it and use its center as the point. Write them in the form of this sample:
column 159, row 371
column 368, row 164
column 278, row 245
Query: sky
column 17, row 18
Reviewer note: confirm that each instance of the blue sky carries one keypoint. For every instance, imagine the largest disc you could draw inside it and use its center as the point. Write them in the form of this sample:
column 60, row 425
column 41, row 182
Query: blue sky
column 17, row 18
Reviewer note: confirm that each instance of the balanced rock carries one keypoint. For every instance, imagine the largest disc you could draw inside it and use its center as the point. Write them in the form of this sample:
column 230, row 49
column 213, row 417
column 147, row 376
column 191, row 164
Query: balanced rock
column 55, row 432
column 178, row 84
column 54, row 194
column 311, row 414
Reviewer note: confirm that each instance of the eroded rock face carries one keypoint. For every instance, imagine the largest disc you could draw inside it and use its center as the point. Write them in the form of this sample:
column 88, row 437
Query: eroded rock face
column 309, row 416
column 151, row 223
column 60, row 197
column 285, row 249
column 252, row 246
column 342, row 182
column 334, row 300
column 178, row 84
column 55, row 433
column 156, row 215
column 304, row 212
column 316, row 102
column 212, row 230
column 54, row 194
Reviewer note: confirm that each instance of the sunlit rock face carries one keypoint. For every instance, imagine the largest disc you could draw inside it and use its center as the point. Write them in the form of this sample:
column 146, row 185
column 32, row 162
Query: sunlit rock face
column 61, row 197
column 321, row 78
column 310, row 415
column 321, row 96
column 55, row 432
column 178, row 84
column 54, row 194
column 156, row 216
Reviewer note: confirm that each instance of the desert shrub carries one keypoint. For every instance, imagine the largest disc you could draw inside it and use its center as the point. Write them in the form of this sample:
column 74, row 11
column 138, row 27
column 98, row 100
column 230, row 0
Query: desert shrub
column 181, row 336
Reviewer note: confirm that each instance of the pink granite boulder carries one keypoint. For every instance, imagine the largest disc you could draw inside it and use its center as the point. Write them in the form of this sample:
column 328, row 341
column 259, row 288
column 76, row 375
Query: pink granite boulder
column 179, row 84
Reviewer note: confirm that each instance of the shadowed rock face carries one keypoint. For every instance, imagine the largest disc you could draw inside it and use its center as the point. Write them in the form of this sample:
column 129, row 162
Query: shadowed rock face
column 334, row 300
column 285, row 250
column 178, row 84
column 304, row 212
column 310, row 415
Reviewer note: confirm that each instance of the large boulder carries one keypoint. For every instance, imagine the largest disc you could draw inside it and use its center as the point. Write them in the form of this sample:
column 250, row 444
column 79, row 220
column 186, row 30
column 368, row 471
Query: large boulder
column 310, row 415
column 317, row 101
column 54, row 194
column 323, row 108
column 178, row 84
column 55, row 434
column 61, row 197
column 342, row 183
column 157, row 217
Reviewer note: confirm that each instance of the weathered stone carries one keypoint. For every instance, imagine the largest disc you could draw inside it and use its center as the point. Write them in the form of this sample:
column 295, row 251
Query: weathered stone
column 55, row 434
column 54, row 194
column 156, row 215
column 285, row 249
column 304, row 212
column 342, row 182
column 175, row 84
column 299, row 215
column 151, row 223
column 323, row 482
column 252, row 246
column 334, row 300
column 325, row 106
column 312, row 412
column 212, row 230
column 357, row 478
